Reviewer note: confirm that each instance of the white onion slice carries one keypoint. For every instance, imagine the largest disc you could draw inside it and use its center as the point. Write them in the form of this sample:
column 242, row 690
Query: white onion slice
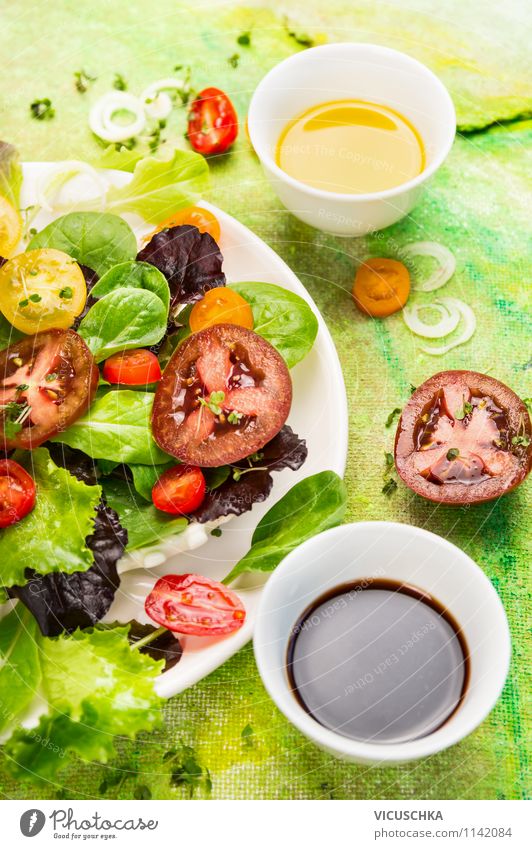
column 470, row 325
column 156, row 102
column 101, row 116
column 60, row 176
column 449, row 318
column 443, row 256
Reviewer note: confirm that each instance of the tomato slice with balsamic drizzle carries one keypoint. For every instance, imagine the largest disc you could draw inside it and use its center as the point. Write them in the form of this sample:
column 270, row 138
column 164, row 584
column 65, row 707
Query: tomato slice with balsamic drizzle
column 47, row 381
column 223, row 395
column 193, row 604
column 463, row 438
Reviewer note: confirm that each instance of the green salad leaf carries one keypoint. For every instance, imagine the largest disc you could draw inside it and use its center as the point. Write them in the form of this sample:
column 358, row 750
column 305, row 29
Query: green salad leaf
column 10, row 173
column 8, row 333
column 116, row 427
column 133, row 275
column 96, row 239
column 125, row 318
column 52, row 537
column 122, row 159
column 281, row 317
column 145, row 524
column 145, row 477
column 313, row 505
column 95, row 686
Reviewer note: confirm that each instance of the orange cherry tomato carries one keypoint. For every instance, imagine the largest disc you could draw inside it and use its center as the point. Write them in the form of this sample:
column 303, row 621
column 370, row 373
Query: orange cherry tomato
column 203, row 219
column 221, row 306
column 382, row 287
column 132, row 368
column 179, row 490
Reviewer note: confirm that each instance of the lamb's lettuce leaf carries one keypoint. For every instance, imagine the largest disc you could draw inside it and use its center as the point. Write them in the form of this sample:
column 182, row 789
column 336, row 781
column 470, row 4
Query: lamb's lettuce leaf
column 281, row 317
column 94, row 684
column 10, row 173
column 313, row 505
column 116, row 427
column 144, row 523
column 125, row 318
column 133, row 275
column 52, row 537
column 96, row 239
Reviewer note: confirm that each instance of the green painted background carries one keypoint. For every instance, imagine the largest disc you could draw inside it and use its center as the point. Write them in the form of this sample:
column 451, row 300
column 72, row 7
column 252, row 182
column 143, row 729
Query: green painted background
column 477, row 205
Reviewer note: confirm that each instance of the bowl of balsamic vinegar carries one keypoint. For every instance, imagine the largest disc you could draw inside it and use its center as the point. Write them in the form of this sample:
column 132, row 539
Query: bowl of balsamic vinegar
column 382, row 642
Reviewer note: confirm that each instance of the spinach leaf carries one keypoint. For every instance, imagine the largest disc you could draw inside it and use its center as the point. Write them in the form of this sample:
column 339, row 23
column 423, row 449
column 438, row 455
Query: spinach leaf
column 313, row 505
column 144, row 523
column 125, row 318
column 10, row 173
column 116, row 427
column 96, row 239
column 134, row 275
column 281, row 317
column 52, row 538
column 145, row 477
column 95, row 686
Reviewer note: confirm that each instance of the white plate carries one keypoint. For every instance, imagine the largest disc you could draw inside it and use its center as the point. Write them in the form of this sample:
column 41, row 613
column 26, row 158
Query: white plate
column 318, row 414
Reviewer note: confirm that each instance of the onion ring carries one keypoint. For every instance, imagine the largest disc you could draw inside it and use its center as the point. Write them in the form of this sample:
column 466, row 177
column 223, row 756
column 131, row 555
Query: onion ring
column 450, row 316
column 101, row 116
column 445, row 259
column 470, row 326
column 154, row 99
column 61, row 175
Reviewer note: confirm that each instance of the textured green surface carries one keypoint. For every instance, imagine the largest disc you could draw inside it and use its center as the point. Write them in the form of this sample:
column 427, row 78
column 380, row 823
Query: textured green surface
column 476, row 206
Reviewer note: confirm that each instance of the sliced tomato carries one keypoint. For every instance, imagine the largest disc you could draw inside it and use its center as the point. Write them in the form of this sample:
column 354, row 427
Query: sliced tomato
column 381, row 287
column 223, row 395
column 212, row 122
column 221, row 306
column 17, row 493
column 463, row 438
column 47, row 381
column 132, row 368
column 193, row 604
column 179, row 490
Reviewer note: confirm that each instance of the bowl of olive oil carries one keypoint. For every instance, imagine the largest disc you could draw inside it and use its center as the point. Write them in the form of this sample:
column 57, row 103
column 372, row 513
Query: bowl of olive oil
column 348, row 134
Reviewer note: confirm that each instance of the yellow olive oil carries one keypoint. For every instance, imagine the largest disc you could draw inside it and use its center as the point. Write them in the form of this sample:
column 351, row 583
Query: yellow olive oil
column 351, row 146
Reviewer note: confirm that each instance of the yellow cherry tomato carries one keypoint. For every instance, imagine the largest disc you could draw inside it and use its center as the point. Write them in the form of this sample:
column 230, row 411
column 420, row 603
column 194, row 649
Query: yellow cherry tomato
column 42, row 289
column 10, row 227
column 221, row 306
column 203, row 219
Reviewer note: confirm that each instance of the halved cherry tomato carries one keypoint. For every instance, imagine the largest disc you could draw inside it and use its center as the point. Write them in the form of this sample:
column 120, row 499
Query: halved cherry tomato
column 223, row 395
column 382, row 287
column 193, row 604
column 132, row 368
column 212, row 122
column 221, row 306
column 203, row 219
column 47, row 381
column 42, row 289
column 10, row 227
column 17, row 493
column 179, row 490
column 463, row 438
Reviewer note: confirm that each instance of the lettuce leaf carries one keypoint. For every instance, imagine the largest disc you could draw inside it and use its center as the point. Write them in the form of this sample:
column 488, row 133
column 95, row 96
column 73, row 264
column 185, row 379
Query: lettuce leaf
column 52, row 538
column 10, row 173
column 96, row 239
column 116, row 427
column 313, row 505
column 95, row 687
column 144, row 523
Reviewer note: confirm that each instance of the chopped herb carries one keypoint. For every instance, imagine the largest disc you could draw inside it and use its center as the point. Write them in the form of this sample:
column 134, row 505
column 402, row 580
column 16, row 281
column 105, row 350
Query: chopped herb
column 35, row 298
column 142, row 791
column 66, row 293
column 234, row 60
column 11, row 429
column 522, row 441
column 453, row 453
column 391, row 417
column 33, row 231
column 237, row 473
column 412, row 388
column 244, row 39
column 213, row 402
column 119, row 83
column 388, row 463
column 247, row 734
column 34, row 272
column 82, row 81
column 189, row 773
column 528, row 403
column 300, row 38
column 155, row 137
column 42, row 110
column 23, row 303
column 216, row 532
column 22, row 387
column 389, row 487
column 15, row 414
column 51, row 376
column 234, row 417
column 464, row 411
column 256, row 456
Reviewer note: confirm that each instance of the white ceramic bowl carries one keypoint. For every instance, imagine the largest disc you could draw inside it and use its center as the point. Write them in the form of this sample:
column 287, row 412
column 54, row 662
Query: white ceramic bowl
column 403, row 553
column 364, row 72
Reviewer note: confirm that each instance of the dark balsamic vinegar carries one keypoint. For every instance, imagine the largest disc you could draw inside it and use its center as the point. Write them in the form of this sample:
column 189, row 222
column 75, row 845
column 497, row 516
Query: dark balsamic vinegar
column 378, row 661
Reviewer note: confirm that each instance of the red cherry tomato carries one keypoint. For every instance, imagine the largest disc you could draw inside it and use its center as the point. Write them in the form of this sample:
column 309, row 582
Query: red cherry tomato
column 192, row 604
column 17, row 493
column 212, row 122
column 132, row 368
column 179, row 490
